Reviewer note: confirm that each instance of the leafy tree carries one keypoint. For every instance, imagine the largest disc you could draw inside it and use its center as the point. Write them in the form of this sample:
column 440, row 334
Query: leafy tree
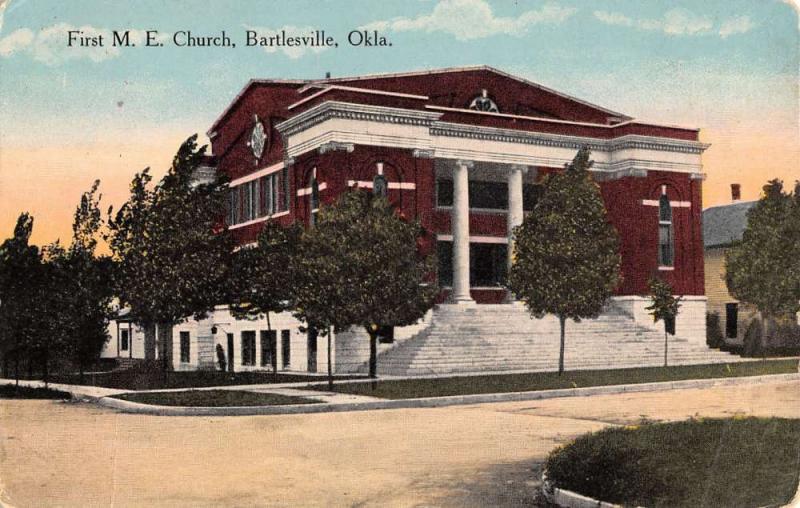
column 261, row 277
column 763, row 269
column 663, row 307
column 82, row 283
column 567, row 259
column 360, row 267
column 21, row 279
column 170, row 248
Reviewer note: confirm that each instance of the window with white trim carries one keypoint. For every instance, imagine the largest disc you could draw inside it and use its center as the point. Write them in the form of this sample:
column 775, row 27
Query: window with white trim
column 185, row 345
column 313, row 197
column 259, row 198
column 666, row 236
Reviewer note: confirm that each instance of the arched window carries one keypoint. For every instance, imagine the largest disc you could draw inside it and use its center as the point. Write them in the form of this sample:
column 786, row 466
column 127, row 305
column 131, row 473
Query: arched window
column 313, row 199
column 666, row 242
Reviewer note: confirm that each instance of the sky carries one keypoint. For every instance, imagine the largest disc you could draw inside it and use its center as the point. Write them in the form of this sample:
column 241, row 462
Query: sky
column 70, row 115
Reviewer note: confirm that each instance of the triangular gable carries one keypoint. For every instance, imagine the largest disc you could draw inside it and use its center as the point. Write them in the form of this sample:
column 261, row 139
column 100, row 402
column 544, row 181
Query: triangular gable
column 460, row 87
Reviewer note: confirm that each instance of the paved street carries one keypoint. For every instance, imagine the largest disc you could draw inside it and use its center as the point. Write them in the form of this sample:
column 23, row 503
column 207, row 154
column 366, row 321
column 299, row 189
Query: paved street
column 77, row 454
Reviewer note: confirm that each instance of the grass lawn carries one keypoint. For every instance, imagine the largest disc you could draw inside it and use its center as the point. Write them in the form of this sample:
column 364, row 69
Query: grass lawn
column 26, row 392
column 504, row 383
column 151, row 377
column 213, row 398
column 696, row 463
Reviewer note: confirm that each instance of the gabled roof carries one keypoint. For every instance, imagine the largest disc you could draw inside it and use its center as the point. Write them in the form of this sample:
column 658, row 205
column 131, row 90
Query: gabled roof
column 447, row 70
column 723, row 225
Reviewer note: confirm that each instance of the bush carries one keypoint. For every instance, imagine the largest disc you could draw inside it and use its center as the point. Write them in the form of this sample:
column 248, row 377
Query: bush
column 785, row 335
column 753, row 343
column 605, row 465
column 714, row 338
column 782, row 338
column 705, row 462
column 27, row 392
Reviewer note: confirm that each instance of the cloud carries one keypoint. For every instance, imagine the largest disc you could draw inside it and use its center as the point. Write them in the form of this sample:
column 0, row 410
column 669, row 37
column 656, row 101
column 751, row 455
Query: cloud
column 3, row 5
column 292, row 52
column 50, row 44
column 678, row 22
column 737, row 25
column 473, row 19
column 15, row 41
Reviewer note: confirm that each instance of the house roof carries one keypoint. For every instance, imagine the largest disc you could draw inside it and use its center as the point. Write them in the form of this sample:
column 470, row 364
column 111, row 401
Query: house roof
column 723, row 225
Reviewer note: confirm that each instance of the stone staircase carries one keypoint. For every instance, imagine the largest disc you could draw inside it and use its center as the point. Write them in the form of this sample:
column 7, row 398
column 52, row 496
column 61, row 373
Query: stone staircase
column 495, row 338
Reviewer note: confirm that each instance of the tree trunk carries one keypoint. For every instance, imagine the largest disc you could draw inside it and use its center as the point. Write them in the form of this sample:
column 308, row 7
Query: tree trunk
column 666, row 342
column 330, row 363
column 562, row 321
column 149, row 341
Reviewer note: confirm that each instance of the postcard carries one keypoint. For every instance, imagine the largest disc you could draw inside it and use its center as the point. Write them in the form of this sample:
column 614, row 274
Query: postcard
column 426, row 253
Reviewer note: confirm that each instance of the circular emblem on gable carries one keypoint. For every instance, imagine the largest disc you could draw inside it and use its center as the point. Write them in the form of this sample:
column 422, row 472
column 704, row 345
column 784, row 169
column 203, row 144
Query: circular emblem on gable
column 483, row 103
column 258, row 138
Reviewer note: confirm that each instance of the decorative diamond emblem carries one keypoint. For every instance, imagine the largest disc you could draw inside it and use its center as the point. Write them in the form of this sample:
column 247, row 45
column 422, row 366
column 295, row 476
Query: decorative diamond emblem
column 258, row 138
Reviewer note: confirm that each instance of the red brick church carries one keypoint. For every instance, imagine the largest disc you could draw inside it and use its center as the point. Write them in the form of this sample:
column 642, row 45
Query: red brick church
column 463, row 151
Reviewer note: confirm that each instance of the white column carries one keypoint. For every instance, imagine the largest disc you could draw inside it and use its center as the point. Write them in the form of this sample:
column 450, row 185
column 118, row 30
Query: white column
column 459, row 225
column 515, row 210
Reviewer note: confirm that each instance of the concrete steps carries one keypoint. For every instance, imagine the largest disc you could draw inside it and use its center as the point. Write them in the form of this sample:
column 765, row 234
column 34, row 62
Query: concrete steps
column 496, row 338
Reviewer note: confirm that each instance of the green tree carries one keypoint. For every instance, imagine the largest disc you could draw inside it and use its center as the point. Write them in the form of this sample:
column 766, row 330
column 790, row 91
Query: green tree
column 566, row 253
column 663, row 307
column 21, row 282
column 82, row 284
column 262, row 280
column 763, row 269
column 360, row 267
column 171, row 250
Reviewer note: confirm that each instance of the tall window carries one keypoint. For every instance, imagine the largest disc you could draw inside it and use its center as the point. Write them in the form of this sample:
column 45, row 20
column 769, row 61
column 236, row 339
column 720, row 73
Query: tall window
column 666, row 247
column 258, row 198
column 313, row 200
column 185, row 344
column 268, row 347
column 123, row 340
column 249, row 348
column 286, row 348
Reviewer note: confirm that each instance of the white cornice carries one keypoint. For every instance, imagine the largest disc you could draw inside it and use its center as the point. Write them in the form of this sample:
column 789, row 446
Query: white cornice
column 336, row 109
column 562, row 141
column 327, row 88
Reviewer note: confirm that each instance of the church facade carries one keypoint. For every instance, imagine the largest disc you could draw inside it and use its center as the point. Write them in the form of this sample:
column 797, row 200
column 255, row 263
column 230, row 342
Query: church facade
column 463, row 151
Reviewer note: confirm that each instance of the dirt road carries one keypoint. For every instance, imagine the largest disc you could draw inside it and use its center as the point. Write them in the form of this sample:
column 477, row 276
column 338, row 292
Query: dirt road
column 69, row 454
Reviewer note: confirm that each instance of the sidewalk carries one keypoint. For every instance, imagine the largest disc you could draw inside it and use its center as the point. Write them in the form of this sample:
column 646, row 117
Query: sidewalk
column 337, row 402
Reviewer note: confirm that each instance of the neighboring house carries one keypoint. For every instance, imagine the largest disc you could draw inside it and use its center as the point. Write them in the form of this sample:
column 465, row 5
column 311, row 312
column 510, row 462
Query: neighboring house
column 722, row 226
column 463, row 151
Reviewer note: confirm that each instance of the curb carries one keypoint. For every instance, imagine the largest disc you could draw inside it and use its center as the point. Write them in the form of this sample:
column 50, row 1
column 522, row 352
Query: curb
column 569, row 499
column 432, row 402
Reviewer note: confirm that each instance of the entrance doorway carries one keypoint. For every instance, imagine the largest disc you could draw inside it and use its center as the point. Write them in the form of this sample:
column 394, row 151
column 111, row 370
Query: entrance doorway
column 312, row 350
column 731, row 320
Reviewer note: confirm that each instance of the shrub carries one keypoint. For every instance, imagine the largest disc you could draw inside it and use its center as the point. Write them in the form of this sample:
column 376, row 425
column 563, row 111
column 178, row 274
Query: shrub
column 753, row 340
column 714, row 338
column 606, row 465
column 27, row 392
